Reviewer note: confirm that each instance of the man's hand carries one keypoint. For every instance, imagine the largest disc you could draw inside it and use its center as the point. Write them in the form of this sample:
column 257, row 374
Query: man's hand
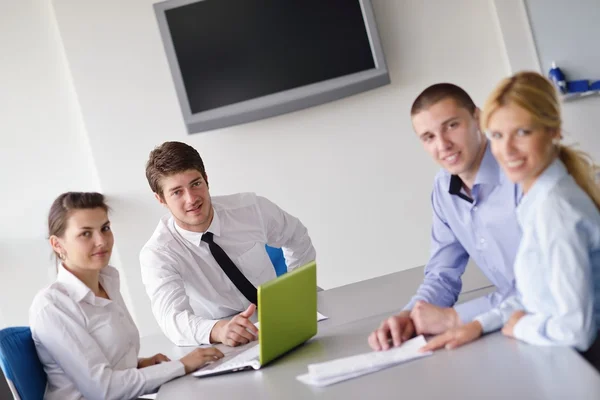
column 509, row 327
column 236, row 331
column 155, row 359
column 433, row 320
column 397, row 328
column 455, row 337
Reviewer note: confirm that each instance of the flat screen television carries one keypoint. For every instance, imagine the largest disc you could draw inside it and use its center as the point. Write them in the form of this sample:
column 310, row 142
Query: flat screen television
column 236, row 61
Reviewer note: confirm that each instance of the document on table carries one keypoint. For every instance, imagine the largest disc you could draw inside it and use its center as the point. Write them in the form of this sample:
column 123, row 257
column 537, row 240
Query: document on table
column 330, row 372
column 320, row 317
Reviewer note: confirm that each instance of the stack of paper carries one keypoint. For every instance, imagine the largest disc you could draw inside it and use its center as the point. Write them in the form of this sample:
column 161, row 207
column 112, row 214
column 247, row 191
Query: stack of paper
column 334, row 371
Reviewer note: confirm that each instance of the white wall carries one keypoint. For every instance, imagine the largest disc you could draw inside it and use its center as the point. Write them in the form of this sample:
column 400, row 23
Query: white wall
column 351, row 170
column 43, row 149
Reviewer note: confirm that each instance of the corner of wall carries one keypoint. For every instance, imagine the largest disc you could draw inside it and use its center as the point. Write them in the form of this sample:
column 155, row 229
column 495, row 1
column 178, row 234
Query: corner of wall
column 85, row 144
column 512, row 24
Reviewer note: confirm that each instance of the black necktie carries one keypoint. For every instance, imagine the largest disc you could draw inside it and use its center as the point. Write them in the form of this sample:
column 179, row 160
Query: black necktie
column 232, row 272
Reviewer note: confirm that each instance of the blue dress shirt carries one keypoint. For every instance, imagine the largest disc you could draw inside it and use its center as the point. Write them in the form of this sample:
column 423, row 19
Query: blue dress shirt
column 483, row 227
column 557, row 268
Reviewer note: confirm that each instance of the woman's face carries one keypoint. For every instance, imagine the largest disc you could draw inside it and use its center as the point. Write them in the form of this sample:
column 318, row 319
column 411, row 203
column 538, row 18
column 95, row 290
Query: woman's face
column 87, row 241
column 522, row 148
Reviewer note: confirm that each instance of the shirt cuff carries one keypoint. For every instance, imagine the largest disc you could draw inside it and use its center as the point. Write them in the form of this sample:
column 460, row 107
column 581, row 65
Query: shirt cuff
column 529, row 329
column 520, row 329
column 467, row 311
column 410, row 305
column 203, row 331
column 413, row 301
column 490, row 321
column 157, row 374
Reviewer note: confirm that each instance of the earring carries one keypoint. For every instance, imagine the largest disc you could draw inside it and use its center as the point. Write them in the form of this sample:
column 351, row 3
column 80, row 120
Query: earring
column 556, row 141
column 62, row 256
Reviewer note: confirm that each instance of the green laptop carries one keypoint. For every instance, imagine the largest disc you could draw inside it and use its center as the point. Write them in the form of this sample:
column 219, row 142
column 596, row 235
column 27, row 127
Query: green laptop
column 287, row 312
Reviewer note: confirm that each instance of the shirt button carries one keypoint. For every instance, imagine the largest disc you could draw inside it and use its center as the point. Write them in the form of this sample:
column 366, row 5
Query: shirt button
column 482, row 241
column 475, row 208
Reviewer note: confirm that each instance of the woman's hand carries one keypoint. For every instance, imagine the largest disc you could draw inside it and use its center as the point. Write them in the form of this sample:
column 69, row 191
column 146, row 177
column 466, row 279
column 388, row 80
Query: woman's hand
column 199, row 357
column 155, row 359
column 509, row 327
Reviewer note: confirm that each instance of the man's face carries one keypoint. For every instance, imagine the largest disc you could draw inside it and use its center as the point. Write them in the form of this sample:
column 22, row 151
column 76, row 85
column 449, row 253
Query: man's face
column 450, row 134
column 186, row 195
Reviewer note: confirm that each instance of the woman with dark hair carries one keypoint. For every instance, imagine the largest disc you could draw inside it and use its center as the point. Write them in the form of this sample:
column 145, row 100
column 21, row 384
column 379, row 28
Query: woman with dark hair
column 83, row 333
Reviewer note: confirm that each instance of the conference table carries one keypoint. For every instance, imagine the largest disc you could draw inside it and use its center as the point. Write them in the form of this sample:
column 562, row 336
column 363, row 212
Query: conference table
column 494, row 367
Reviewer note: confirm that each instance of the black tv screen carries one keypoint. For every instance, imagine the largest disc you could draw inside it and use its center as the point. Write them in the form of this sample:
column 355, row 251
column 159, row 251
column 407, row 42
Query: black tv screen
column 235, row 61
column 235, row 50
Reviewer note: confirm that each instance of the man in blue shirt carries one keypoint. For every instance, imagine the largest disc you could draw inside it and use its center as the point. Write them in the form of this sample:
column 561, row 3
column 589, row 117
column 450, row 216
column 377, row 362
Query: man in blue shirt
column 473, row 217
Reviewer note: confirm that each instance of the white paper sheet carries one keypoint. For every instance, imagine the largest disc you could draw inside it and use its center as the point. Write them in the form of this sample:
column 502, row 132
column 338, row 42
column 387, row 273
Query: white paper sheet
column 330, row 372
column 148, row 396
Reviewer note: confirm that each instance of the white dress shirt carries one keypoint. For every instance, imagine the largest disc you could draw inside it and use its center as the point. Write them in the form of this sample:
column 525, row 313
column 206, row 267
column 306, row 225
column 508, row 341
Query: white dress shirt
column 188, row 289
column 557, row 268
column 89, row 345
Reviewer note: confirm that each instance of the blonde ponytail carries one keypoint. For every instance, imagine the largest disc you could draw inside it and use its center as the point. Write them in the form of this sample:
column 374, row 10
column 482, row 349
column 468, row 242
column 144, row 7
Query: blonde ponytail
column 582, row 168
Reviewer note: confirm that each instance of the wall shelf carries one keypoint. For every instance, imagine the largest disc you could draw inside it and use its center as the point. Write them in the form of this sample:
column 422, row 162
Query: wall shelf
column 573, row 96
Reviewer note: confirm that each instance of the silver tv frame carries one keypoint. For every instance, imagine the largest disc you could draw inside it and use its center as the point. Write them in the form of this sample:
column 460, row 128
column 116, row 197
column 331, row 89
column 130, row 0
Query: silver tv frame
column 280, row 102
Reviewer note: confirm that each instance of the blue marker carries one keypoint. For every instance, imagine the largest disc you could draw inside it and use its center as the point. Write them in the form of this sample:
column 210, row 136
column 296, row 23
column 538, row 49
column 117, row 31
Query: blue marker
column 558, row 78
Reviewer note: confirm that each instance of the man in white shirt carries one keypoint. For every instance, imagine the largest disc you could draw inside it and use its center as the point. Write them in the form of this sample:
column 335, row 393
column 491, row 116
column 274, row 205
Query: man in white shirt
column 205, row 260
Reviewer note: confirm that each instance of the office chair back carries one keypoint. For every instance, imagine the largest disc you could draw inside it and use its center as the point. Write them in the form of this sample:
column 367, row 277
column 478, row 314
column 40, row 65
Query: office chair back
column 21, row 365
column 278, row 260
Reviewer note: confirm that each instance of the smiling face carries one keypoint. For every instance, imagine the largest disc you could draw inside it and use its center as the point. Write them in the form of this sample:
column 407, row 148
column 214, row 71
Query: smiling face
column 451, row 135
column 522, row 148
column 186, row 195
column 87, row 242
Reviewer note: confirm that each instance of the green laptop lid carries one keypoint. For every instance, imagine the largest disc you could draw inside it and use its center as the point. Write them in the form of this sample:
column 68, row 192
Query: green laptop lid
column 287, row 311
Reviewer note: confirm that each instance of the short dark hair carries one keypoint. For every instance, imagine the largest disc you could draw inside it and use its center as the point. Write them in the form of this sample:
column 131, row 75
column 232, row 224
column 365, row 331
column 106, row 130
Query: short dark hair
column 170, row 158
column 441, row 91
column 62, row 208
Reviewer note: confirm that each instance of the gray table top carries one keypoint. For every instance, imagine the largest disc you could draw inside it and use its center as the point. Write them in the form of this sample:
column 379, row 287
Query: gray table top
column 493, row 367
column 384, row 294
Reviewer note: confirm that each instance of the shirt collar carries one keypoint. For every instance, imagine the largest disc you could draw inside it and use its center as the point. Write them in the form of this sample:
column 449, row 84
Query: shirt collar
column 196, row 237
column 78, row 290
column 542, row 185
column 489, row 170
column 488, row 173
column 456, row 187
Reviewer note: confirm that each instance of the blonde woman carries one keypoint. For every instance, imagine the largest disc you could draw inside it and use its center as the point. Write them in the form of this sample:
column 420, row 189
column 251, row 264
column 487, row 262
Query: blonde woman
column 557, row 267
column 83, row 333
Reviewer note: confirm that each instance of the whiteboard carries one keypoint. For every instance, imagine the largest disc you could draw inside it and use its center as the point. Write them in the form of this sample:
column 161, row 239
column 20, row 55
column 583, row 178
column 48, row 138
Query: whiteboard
column 568, row 32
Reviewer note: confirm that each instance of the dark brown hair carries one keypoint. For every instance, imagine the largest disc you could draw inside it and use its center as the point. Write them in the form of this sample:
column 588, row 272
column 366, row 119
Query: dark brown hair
column 171, row 158
column 441, row 91
column 63, row 206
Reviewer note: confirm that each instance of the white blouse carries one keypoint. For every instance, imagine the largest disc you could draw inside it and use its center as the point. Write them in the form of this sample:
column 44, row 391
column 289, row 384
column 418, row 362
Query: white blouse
column 89, row 345
column 557, row 268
